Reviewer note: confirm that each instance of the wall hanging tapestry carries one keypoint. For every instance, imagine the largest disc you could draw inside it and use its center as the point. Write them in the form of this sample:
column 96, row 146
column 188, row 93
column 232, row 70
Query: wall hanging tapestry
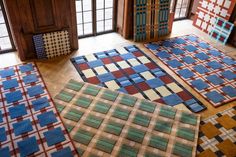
column 132, row 71
column 207, row 70
column 104, row 123
column 29, row 122
column 217, row 135
column 221, row 30
column 151, row 19
column 209, row 10
column 52, row 44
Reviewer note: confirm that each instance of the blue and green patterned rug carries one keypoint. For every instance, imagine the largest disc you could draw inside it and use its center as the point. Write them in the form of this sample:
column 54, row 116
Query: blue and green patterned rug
column 104, row 123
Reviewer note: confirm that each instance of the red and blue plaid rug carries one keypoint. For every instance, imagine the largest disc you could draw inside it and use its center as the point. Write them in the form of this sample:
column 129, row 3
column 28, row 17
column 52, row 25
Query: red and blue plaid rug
column 206, row 69
column 131, row 71
column 29, row 122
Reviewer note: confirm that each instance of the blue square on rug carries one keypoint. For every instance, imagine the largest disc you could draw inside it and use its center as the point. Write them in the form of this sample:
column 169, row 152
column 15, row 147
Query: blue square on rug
column 229, row 90
column 5, row 152
column 214, row 79
column 66, row 152
column 215, row 96
column 14, row 96
column 46, row 118
column 199, row 84
column 7, row 73
column 40, row 103
column 3, row 135
column 54, row 136
column 22, row 127
column 28, row 146
column 26, row 68
column 201, row 69
column 35, row 90
column 30, row 78
column 8, row 84
column 174, row 63
column 17, row 111
column 229, row 75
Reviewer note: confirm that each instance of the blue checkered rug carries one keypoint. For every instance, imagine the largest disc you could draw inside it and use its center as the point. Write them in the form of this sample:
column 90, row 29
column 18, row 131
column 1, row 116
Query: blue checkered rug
column 206, row 69
column 29, row 123
column 131, row 71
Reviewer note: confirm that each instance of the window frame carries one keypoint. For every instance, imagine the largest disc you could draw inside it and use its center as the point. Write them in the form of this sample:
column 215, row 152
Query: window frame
column 188, row 9
column 94, row 19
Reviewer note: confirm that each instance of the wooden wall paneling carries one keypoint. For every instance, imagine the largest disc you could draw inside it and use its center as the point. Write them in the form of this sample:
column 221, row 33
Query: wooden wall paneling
column 128, row 19
column 30, row 17
column 120, row 16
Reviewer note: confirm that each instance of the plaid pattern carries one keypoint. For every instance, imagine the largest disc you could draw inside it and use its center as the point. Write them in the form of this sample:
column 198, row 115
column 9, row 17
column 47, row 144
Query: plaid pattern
column 222, row 30
column 207, row 70
column 151, row 19
column 209, row 10
column 29, row 122
column 132, row 71
column 107, row 123
column 52, row 44
column 217, row 136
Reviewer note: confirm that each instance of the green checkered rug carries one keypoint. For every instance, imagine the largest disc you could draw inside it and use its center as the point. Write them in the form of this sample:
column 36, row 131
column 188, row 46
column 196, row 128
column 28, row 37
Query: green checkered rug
column 102, row 122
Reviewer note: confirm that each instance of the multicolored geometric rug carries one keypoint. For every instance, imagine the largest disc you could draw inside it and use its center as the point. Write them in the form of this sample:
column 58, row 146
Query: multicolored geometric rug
column 29, row 122
column 217, row 135
column 132, row 71
column 207, row 70
column 103, row 122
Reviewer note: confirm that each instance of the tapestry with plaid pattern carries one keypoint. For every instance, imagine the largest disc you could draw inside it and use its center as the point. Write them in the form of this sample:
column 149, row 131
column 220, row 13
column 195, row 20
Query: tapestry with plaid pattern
column 131, row 71
column 206, row 69
column 106, row 123
column 29, row 122
column 151, row 19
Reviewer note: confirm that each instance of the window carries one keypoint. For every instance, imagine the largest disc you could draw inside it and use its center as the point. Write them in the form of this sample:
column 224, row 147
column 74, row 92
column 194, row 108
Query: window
column 181, row 8
column 6, row 43
column 94, row 17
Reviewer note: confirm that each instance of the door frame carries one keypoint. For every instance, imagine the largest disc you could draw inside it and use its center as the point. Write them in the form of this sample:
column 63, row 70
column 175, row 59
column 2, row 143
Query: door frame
column 13, row 48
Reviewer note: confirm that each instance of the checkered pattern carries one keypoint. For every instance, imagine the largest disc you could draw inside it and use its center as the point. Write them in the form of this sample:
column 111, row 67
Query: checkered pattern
column 207, row 70
column 151, row 19
column 217, row 135
column 29, row 122
column 133, row 72
column 222, row 30
column 52, row 44
column 107, row 123
column 209, row 10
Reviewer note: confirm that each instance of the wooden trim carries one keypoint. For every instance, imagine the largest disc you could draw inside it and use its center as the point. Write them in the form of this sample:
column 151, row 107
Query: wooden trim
column 74, row 42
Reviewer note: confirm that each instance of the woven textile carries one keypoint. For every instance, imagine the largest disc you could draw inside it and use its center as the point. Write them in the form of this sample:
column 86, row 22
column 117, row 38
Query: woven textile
column 52, row 44
column 217, row 135
column 209, row 10
column 207, row 70
column 107, row 123
column 221, row 31
column 29, row 122
column 133, row 72
column 151, row 19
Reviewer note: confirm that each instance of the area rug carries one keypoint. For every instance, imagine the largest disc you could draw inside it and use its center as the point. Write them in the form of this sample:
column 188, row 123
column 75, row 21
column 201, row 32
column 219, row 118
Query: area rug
column 207, row 70
column 217, row 135
column 29, row 122
column 131, row 71
column 104, row 123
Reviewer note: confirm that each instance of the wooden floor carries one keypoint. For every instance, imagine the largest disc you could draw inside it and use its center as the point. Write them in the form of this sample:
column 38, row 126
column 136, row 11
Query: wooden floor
column 56, row 72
